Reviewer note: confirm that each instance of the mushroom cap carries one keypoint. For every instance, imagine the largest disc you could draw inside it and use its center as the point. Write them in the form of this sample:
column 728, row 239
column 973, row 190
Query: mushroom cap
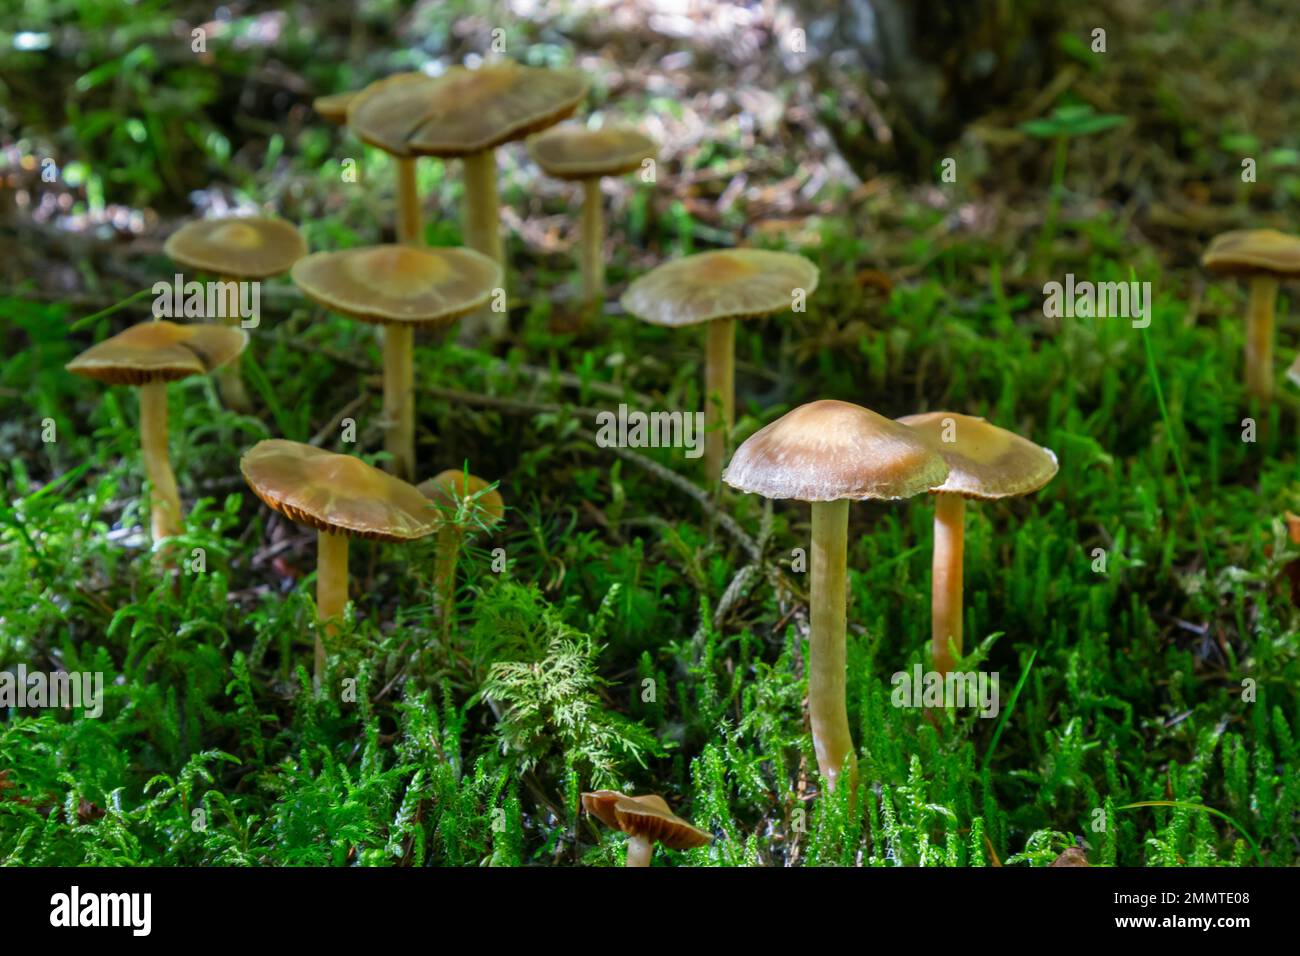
column 646, row 816
column 463, row 111
column 399, row 284
column 1248, row 252
column 828, row 450
column 333, row 107
column 248, row 247
column 574, row 152
column 984, row 461
column 728, row 283
column 159, row 351
column 446, row 489
column 339, row 494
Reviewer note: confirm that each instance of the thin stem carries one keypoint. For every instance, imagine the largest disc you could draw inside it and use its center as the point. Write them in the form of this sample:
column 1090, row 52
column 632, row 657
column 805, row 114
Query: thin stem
column 482, row 229
column 1259, row 338
column 331, row 593
column 230, row 378
column 719, row 395
column 946, row 587
column 165, row 500
column 444, row 571
column 639, row 851
column 827, row 710
column 593, row 241
column 409, row 227
column 399, row 387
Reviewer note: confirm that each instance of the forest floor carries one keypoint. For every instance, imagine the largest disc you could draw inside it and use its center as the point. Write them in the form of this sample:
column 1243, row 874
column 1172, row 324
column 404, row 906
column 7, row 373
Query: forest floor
column 1138, row 609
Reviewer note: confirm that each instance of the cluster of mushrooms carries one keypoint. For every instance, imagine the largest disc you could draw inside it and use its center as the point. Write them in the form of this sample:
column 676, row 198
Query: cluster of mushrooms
column 827, row 453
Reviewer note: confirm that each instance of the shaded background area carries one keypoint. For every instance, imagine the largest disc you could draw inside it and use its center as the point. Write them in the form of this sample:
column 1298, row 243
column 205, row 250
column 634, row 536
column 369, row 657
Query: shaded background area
column 930, row 298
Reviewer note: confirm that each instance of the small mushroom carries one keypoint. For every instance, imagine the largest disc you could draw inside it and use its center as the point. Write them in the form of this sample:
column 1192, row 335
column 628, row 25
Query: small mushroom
column 1262, row 256
column 984, row 462
column 830, row 453
column 717, row 288
column 341, row 497
column 574, row 152
column 399, row 287
column 149, row 355
column 466, row 114
column 248, row 248
column 333, row 107
column 646, row 820
column 466, row 504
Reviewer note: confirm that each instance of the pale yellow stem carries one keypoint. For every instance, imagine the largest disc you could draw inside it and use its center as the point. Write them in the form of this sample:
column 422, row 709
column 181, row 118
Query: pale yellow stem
column 827, row 708
column 593, row 242
column 639, row 851
column 444, row 571
column 331, row 593
column 1259, row 338
column 165, row 499
column 482, row 229
column 230, row 377
column 719, row 395
column 946, row 586
column 409, row 227
column 399, row 399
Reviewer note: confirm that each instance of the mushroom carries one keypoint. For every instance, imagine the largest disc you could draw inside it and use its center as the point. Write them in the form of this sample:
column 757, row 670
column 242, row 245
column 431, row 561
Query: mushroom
column 466, row 503
column 1263, row 256
column 341, row 497
column 645, row 820
column 466, row 114
column 718, row 288
column 574, row 152
column 399, row 287
column 830, row 453
column 333, row 107
column 248, row 248
column 984, row 462
column 149, row 355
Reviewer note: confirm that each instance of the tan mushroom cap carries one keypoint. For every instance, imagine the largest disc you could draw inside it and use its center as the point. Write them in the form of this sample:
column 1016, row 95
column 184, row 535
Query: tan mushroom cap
column 646, row 816
column 984, row 461
column 447, row 488
column 339, row 494
column 250, row 247
column 575, row 152
column 463, row 111
column 829, row 450
column 1253, row 252
column 732, row 283
column 333, row 107
column 159, row 352
column 399, row 284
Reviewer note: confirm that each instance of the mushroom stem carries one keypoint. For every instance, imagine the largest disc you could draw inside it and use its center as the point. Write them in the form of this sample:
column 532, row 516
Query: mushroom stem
column 230, row 379
column 331, row 593
column 444, row 571
column 1259, row 337
column 482, row 229
column 719, row 394
column 593, row 241
column 946, row 586
column 399, row 385
column 409, row 226
column 165, row 500
column 826, row 652
column 639, row 850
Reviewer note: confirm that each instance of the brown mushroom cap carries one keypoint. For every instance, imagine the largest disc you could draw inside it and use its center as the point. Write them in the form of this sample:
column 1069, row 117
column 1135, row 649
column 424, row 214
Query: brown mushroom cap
column 159, row 352
column 333, row 108
column 250, row 247
column 984, row 461
column 731, row 283
column 828, row 450
column 646, row 816
column 398, row 283
column 575, row 152
column 339, row 494
column 1246, row 252
column 463, row 111
column 447, row 488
